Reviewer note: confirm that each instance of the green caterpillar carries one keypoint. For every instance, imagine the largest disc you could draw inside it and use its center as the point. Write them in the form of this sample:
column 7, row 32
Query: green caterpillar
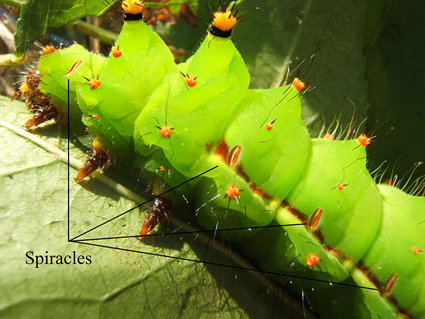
column 200, row 114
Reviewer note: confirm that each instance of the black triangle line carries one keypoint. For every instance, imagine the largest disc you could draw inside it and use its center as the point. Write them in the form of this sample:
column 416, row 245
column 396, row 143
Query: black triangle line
column 147, row 201
column 188, row 232
column 225, row 265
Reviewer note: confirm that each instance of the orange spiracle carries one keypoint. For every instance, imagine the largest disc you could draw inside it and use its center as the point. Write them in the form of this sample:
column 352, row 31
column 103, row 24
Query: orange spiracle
column 234, row 155
column 315, row 219
column 74, row 67
column 390, row 284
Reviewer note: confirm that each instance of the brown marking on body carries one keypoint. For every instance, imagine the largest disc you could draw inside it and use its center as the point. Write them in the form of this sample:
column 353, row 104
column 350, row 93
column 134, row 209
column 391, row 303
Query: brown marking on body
column 259, row 191
column 222, row 150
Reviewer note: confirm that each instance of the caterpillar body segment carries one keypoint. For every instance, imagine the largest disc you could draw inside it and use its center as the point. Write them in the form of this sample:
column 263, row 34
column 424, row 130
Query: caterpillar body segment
column 74, row 64
column 267, row 170
column 129, row 80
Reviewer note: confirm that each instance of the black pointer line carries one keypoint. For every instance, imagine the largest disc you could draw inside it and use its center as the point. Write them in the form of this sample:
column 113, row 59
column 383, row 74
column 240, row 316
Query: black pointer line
column 69, row 200
column 227, row 266
column 143, row 203
column 190, row 232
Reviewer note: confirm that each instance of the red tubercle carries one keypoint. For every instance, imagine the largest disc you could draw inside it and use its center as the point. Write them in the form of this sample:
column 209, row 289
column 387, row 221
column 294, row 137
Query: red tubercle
column 389, row 182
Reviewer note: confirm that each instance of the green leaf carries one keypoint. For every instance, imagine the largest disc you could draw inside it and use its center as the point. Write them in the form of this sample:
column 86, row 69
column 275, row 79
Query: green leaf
column 39, row 17
column 395, row 69
column 117, row 283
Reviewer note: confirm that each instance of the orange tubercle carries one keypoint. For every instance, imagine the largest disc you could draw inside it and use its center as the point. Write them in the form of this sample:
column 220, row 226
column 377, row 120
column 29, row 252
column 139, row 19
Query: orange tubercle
column 298, row 84
column 48, row 49
column 416, row 250
column 340, row 186
column 94, row 117
column 364, row 140
column 269, row 125
column 165, row 131
column 133, row 6
column 115, row 51
column 312, row 260
column 329, row 137
column 94, row 83
column 224, row 21
column 232, row 191
column 190, row 79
